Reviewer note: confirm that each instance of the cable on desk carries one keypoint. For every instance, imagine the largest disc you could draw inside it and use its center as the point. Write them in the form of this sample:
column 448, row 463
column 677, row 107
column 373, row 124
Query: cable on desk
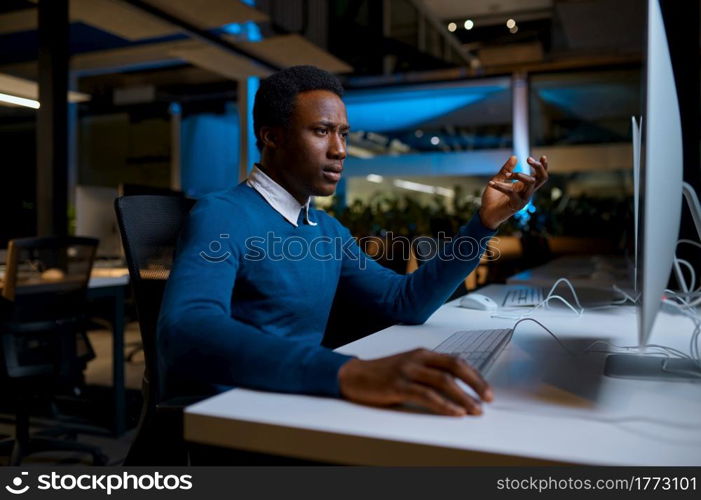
column 513, row 328
column 550, row 296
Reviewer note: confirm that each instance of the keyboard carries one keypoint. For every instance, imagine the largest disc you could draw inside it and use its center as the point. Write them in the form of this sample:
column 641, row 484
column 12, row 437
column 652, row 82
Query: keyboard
column 524, row 296
column 478, row 348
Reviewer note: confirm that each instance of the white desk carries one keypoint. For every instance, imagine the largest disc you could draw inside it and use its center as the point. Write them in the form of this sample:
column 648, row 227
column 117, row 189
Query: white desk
column 549, row 407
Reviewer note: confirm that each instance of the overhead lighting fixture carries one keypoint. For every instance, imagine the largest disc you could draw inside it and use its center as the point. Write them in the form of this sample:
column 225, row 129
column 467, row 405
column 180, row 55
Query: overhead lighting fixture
column 513, row 30
column 435, row 140
column 374, row 178
column 452, row 27
column 510, row 23
column 19, row 101
column 469, row 24
column 424, row 188
column 12, row 87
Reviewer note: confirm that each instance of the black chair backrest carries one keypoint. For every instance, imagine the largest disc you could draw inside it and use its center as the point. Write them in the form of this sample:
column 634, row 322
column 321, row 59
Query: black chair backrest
column 44, row 291
column 150, row 226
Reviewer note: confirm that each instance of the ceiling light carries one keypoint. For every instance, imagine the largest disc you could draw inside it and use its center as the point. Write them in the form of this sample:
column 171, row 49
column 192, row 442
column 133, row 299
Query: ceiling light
column 435, row 140
column 469, row 24
column 19, row 101
column 513, row 30
column 424, row 188
column 510, row 23
column 452, row 27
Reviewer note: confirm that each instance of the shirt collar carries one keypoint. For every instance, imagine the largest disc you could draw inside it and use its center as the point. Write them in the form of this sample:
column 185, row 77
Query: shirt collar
column 277, row 197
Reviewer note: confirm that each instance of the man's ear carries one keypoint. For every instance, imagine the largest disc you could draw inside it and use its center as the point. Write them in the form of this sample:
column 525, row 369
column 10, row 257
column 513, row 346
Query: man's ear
column 271, row 137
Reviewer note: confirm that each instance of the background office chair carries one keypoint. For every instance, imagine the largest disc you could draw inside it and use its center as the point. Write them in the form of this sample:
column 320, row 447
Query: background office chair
column 42, row 333
column 149, row 226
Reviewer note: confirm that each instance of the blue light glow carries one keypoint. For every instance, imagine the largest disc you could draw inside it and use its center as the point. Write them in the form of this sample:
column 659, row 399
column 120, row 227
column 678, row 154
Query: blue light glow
column 252, row 84
column 248, row 31
column 389, row 110
column 233, row 29
column 209, row 152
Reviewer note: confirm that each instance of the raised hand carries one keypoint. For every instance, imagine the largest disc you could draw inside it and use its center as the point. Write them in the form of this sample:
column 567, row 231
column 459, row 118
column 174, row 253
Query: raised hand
column 504, row 197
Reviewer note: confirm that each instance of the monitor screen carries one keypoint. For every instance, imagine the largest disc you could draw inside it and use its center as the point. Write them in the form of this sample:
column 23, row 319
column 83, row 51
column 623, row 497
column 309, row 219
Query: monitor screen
column 661, row 174
column 95, row 217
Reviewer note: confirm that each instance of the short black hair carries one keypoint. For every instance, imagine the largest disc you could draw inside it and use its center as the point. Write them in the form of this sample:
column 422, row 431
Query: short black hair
column 276, row 95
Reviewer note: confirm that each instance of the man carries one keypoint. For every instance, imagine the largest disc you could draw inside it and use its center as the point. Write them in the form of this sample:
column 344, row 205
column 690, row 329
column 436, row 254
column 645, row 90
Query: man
column 235, row 313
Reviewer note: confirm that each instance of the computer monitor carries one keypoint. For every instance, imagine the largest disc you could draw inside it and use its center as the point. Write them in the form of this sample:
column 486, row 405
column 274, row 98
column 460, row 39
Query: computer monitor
column 95, row 217
column 637, row 146
column 660, row 198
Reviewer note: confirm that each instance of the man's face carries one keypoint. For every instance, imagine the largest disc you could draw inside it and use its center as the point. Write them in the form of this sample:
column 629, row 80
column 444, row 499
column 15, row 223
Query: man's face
column 314, row 145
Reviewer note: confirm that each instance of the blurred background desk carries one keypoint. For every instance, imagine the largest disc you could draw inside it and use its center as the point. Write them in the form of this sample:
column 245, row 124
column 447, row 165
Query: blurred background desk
column 110, row 285
column 549, row 407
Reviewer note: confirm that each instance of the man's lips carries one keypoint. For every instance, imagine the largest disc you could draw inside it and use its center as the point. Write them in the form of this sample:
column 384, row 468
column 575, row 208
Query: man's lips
column 332, row 173
column 337, row 169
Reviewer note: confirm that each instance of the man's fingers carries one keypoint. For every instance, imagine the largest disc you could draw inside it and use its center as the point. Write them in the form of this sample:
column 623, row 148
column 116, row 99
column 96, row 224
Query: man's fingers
column 504, row 187
column 427, row 397
column 445, row 383
column 507, row 167
column 461, row 370
column 526, row 179
column 540, row 169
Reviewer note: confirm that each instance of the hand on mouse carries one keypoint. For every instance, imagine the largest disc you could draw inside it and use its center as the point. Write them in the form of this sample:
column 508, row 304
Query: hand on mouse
column 420, row 376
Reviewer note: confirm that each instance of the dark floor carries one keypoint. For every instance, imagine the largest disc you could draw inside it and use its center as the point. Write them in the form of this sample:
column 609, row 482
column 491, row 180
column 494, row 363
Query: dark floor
column 92, row 410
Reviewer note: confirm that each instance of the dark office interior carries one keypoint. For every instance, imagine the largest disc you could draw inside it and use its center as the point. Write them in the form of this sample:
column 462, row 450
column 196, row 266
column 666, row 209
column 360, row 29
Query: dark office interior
column 101, row 99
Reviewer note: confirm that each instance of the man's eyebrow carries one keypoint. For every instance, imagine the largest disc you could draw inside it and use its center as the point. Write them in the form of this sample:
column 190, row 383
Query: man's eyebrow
column 330, row 124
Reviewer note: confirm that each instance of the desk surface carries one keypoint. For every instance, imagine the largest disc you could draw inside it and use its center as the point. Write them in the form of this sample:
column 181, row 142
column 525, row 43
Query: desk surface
column 108, row 277
column 549, row 406
column 99, row 277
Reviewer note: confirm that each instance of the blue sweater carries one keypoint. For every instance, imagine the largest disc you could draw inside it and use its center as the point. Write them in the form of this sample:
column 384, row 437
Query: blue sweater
column 249, row 294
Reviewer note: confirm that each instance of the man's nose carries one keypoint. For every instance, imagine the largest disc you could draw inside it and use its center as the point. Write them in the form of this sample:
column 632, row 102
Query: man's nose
column 337, row 147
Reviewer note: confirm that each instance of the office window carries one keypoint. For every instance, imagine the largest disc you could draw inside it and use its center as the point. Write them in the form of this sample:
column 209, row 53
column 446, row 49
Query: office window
column 430, row 119
column 583, row 107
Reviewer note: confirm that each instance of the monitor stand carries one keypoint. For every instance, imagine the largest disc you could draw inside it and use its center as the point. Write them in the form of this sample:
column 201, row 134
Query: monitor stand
column 651, row 367
column 640, row 366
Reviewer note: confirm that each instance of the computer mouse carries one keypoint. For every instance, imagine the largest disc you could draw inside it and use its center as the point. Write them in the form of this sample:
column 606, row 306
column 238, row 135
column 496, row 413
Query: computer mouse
column 478, row 301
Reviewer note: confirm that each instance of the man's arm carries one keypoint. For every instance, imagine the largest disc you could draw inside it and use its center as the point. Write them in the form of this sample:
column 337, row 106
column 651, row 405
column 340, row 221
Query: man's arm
column 412, row 298
column 201, row 341
column 421, row 376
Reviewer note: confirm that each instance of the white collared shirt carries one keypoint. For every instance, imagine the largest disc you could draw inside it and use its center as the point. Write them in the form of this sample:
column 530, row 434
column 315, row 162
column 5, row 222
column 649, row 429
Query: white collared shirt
column 277, row 197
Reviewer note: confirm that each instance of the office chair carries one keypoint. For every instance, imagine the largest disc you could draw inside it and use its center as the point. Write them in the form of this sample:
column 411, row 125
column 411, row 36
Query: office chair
column 42, row 333
column 126, row 189
column 149, row 226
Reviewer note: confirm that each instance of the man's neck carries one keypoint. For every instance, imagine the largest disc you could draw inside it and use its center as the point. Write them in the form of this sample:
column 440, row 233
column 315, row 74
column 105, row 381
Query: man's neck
column 273, row 174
